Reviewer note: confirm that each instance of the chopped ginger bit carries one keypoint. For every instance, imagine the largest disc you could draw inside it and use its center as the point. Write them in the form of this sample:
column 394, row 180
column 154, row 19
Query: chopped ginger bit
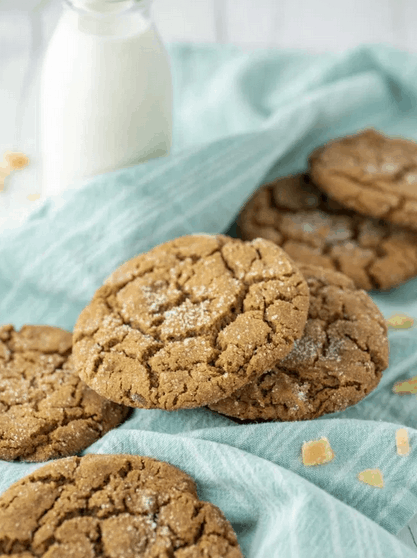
column 373, row 477
column 403, row 445
column 400, row 321
column 317, row 452
column 4, row 172
column 33, row 197
column 408, row 386
column 11, row 162
column 16, row 161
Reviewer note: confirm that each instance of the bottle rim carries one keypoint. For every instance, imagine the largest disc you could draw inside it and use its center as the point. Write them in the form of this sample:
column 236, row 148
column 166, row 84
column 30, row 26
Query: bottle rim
column 133, row 6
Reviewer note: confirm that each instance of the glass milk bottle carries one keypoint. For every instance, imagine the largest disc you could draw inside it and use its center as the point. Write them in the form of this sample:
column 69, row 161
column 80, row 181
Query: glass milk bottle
column 106, row 92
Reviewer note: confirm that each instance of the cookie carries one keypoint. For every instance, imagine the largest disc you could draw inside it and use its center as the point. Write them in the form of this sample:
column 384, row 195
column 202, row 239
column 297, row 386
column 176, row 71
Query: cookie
column 46, row 411
column 314, row 229
column 118, row 506
column 337, row 362
column 189, row 322
column 370, row 173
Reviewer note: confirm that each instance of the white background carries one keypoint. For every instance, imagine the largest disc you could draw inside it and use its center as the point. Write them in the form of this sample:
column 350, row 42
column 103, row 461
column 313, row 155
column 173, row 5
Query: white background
column 314, row 24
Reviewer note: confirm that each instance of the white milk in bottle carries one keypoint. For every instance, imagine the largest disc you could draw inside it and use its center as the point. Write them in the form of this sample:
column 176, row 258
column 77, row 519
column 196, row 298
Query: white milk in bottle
column 106, row 92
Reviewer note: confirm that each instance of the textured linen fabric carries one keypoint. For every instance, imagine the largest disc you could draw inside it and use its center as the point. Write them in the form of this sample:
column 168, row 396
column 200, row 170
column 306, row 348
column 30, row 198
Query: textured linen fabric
column 241, row 118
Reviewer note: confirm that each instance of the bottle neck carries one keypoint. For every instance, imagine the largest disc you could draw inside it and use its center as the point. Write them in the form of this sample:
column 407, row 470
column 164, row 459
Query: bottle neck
column 110, row 17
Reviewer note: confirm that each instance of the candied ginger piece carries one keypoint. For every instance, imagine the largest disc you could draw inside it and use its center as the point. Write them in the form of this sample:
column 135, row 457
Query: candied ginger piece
column 407, row 386
column 16, row 160
column 317, row 452
column 4, row 173
column 403, row 444
column 373, row 477
column 11, row 162
column 400, row 321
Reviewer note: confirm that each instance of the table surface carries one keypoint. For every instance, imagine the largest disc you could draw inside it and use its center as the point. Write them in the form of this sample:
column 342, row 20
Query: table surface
column 322, row 25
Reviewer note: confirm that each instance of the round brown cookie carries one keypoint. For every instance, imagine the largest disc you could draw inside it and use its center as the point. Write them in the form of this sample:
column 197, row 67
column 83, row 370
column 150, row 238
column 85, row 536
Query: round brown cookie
column 337, row 362
column 371, row 173
column 111, row 506
column 46, row 411
column 314, row 229
column 189, row 322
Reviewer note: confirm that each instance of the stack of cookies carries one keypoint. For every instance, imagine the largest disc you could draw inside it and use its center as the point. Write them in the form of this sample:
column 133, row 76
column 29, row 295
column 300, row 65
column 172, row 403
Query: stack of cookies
column 198, row 321
column 355, row 210
column 206, row 321
column 233, row 325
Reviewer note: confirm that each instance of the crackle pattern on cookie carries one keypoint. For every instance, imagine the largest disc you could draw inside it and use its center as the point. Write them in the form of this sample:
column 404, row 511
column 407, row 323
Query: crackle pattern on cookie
column 314, row 229
column 46, row 411
column 190, row 322
column 337, row 362
column 371, row 173
column 111, row 506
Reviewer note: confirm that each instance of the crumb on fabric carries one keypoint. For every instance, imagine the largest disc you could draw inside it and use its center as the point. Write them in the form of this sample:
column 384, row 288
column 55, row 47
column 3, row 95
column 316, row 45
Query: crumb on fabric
column 373, row 477
column 33, row 197
column 403, row 444
column 11, row 161
column 4, row 173
column 400, row 321
column 406, row 387
column 317, row 452
column 16, row 161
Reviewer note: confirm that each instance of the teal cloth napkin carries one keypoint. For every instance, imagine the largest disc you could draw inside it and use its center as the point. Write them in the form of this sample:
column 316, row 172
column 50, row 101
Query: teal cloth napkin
column 241, row 118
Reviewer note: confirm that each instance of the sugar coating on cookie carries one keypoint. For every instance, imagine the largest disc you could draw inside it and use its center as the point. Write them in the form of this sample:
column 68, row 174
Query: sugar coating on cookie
column 317, row 452
column 373, row 477
column 336, row 363
column 314, row 229
column 402, row 441
column 46, row 411
column 371, row 173
column 189, row 322
column 121, row 506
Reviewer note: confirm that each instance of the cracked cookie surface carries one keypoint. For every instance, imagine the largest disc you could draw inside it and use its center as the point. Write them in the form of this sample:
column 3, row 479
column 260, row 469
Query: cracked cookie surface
column 314, row 229
column 338, row 361
column 371, row 173
column 46, row 411
column 111, row 506
column 191, row 321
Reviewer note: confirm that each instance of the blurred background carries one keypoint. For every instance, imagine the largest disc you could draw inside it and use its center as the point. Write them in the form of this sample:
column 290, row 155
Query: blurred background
column 318, row 26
